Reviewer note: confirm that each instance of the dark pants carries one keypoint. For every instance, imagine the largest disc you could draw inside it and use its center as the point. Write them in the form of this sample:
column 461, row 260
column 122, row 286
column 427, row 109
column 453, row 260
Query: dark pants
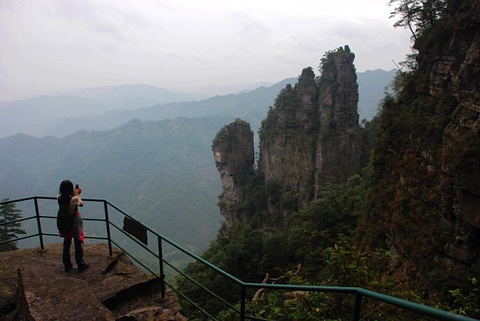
column 78, row 252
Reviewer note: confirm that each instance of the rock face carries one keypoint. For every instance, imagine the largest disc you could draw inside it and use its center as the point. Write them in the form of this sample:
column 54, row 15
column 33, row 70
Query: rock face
column 234, row 158
column 309, row 139
column 338, row 151
column 287, row 142
column 427, row 165
column 35, row 287
column 456, row 68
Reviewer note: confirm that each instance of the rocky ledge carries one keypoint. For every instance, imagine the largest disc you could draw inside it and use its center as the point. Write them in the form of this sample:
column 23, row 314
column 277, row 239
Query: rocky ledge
column 34, row 286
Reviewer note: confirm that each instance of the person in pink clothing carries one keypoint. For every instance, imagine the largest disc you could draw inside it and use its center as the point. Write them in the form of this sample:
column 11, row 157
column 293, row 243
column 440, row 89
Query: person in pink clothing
column 69, row 195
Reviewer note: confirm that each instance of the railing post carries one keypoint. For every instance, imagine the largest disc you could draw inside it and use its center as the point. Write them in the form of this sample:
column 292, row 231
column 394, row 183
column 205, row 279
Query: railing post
column 358, row 306
column 160, row 262
column 242, row 304
column 107, row 221
column 39, row 224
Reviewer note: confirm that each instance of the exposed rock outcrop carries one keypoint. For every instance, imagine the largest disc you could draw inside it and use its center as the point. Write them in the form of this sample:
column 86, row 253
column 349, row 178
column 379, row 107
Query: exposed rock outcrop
column 456, row 69
column 427, row 165
column 338, row 151
column 42, row 290
column 309, row 139
column 234, row 158
column 287, row 142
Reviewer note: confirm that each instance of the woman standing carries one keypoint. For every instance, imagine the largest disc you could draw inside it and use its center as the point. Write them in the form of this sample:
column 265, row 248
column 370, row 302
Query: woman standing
column 70, row 197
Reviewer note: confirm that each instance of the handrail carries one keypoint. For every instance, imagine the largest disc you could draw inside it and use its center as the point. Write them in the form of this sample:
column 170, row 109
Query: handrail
column 358, row 292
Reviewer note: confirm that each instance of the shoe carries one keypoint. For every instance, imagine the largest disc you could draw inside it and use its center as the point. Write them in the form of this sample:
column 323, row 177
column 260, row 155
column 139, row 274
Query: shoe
column 83, row 267
column 68, row 268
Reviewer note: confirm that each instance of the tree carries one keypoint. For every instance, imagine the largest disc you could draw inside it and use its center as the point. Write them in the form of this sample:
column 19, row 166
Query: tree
column 9, row 231
column 417, row 15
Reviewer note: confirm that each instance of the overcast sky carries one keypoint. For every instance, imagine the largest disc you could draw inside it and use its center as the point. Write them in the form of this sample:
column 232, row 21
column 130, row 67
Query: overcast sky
column 184, row 45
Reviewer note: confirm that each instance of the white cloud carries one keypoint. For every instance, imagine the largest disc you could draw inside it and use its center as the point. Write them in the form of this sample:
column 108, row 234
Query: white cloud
column 56, row 45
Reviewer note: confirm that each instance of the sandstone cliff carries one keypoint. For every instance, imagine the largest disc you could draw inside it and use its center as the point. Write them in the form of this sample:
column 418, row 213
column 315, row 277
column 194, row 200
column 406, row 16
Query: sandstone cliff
column 427, row 165
column 338, row 150
column 287, row 143
column 234, row 157
column 309, row 139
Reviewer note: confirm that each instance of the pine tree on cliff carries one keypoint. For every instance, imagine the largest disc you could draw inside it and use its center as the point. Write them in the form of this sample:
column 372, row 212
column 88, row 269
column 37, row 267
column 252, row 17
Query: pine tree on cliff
column 9, row 231
column 417, row 15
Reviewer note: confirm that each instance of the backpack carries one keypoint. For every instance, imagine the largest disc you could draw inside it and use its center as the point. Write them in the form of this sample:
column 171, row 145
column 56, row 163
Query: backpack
column 64, row 219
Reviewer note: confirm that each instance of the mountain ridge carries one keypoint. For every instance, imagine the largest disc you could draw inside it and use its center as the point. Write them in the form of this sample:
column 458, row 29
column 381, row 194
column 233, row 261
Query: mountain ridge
column 159, row 171
column 60, row 115
column 35, row 115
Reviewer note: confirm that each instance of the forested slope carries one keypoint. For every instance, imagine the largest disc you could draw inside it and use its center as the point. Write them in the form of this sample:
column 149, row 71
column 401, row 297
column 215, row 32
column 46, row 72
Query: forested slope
column 160, row 172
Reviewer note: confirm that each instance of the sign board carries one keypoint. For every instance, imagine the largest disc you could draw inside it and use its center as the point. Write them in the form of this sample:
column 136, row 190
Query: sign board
column 135, row 229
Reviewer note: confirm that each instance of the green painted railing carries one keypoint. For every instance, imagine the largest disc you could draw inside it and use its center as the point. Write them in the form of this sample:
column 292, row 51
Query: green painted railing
column 359, row 293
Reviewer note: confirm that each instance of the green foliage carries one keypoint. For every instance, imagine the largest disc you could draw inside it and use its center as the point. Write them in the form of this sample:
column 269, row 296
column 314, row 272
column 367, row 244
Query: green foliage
column 467, row 302
column 327, row 62
column 418, row 16
column 318, row 226
column 253, row 207
column 284, row 108
column 237, row 251
column 9, row 229
column 222, row 134
column 251, row 253
column 369, row 132
column 344, row 265
column 281, row 305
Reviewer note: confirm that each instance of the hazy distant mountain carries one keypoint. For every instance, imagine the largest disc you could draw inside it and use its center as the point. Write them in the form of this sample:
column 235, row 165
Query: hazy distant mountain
column 131, row 96
column 251, row 106
column 212, row 90
column 371, row 89
column 163, row 173
column 35, row 116
column 105, row 108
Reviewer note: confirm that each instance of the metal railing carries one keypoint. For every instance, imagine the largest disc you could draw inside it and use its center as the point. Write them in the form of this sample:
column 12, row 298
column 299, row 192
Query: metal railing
column 359, row 293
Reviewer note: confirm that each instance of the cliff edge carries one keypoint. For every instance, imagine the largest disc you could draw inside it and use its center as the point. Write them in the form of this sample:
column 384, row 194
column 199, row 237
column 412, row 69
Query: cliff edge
column 34, row 286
